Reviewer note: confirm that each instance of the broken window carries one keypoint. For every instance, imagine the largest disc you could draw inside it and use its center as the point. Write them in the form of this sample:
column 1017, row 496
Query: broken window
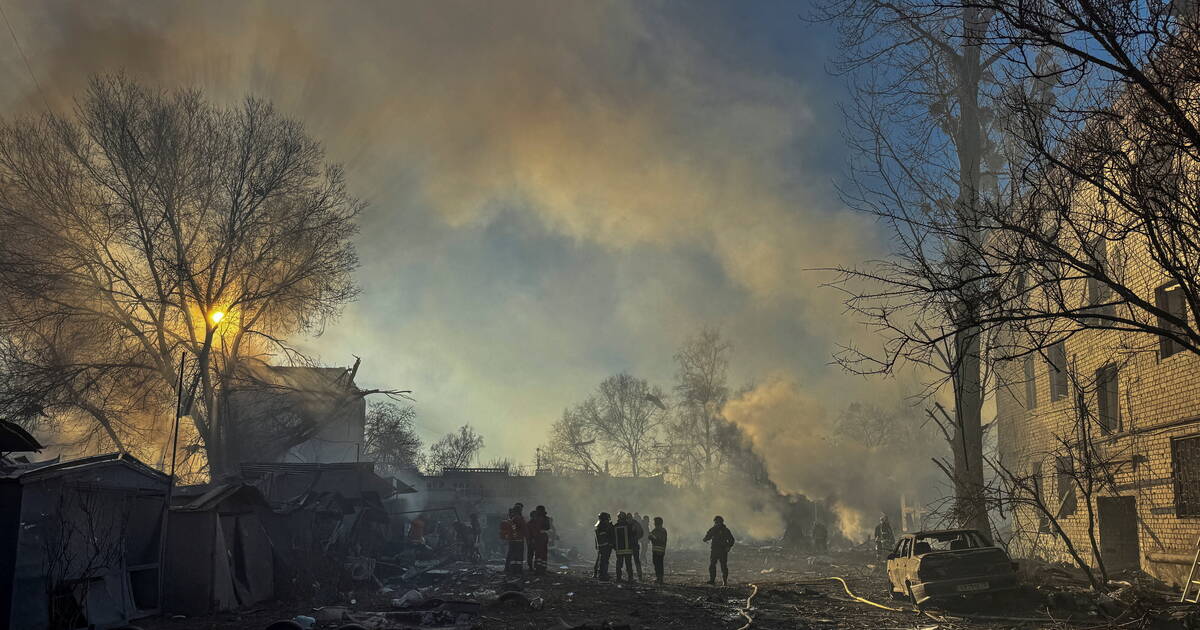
column 1065, row 479
column 1185, row 466
column 1056, row 358
column 1036, row 481
column 1030, row 384
column 1108, row 401
column 1169, row 298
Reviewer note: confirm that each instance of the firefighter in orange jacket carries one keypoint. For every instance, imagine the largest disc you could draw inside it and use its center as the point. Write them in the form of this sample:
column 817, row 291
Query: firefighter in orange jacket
column 513, row 531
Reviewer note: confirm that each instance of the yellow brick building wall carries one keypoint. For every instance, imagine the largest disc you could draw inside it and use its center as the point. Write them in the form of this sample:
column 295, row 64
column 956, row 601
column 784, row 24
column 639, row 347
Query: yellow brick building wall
column 1159, row 401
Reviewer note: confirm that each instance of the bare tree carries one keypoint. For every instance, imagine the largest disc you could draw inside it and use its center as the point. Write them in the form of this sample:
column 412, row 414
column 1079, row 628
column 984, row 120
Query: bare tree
column 1084, row 468
column 573, row 444
column 454, row 450
column 621, row 421
column 628, row 415
column 702, row 390
column 390, row 438
column 1104, row 233
column 82, row 541
column 922, row 127
column 150, row 223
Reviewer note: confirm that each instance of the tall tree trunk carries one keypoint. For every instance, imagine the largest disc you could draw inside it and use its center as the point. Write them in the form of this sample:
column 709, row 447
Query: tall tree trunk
column 970, row 505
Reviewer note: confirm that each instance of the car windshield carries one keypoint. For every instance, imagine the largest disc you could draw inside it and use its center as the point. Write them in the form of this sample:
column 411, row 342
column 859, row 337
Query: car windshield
column 947, row 541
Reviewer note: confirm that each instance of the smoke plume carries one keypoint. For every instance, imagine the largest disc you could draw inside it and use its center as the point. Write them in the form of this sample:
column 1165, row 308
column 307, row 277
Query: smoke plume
column 805, row 453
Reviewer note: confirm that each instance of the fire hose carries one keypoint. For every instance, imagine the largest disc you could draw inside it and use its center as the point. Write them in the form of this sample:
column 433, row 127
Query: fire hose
column 745, row 612
column 856, row 598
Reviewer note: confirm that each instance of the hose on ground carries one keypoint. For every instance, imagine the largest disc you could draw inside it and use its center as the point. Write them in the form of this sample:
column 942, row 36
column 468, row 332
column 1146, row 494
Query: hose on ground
column 745, row 612
column 851, row 593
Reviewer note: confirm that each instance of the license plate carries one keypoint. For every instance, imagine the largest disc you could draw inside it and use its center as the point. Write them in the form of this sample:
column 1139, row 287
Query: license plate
column 970, row 588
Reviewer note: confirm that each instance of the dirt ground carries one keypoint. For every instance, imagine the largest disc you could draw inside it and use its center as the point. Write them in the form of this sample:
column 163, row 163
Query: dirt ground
column 784, row 591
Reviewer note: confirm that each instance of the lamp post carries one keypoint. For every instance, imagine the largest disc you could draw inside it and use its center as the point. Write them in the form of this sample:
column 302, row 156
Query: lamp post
column 215, row 317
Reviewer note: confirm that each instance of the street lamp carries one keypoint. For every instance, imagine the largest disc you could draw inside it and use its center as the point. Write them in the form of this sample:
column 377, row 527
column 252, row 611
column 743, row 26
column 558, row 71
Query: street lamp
column 217, row 316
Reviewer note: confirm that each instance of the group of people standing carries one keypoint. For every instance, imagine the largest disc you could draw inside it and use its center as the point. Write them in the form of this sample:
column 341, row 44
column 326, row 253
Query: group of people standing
column 528, row 540
column 624, row 537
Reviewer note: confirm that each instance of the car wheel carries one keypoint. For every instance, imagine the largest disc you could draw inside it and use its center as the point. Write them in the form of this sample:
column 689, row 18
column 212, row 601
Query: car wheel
column 912, row 597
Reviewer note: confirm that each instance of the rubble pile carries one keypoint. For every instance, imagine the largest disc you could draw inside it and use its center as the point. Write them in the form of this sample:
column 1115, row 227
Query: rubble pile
column 463, row 595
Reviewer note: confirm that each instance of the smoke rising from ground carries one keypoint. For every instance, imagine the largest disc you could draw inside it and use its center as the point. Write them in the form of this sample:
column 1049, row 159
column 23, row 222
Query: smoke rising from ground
column 805, row 453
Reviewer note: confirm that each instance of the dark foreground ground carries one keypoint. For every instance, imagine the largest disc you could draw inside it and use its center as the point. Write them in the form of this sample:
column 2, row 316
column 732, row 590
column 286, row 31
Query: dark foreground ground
column 768, row 589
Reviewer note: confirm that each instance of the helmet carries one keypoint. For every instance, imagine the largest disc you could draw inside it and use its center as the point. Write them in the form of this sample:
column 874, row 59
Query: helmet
column 604, row 516
column 718, row 519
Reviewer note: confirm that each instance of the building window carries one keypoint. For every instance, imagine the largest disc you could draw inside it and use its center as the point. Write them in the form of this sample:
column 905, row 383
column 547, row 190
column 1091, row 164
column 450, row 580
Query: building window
column 1108, row 398
column 1169, row 298
column 1185, row 464
column 1056, row 359
column 1030, row 384
column 1036, row 481
column 1099, row 293
column 1065, row 479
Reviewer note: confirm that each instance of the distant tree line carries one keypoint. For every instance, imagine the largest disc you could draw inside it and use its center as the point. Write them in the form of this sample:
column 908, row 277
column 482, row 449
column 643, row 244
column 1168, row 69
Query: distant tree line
column 631, row 427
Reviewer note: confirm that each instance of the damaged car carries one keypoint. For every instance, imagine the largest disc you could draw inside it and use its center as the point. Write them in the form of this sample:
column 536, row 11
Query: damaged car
column 946, row 564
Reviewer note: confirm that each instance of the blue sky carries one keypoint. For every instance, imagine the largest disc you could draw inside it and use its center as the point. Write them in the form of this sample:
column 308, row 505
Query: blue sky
column 558, row 190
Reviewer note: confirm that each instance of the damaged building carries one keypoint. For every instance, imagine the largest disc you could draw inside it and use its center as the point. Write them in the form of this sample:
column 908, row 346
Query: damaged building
column 297, row 414
column 1109, row 421
column 80, row 542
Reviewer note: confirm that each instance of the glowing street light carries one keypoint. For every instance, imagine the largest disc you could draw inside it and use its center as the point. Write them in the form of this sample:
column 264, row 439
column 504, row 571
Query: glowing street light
column 217, row 316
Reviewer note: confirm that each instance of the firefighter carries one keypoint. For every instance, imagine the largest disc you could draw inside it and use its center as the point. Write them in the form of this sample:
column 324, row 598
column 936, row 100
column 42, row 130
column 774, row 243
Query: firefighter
column 623, row 543
column 638, row 532
column 604, row 545
column 513, row 530
column 539, row 537
column 645, row 532
column 658, row 550
column 722, row 540
column 820, row 537
column 885, row 538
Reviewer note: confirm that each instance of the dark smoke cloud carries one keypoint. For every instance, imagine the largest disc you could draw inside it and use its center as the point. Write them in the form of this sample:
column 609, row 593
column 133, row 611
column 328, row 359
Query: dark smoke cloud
column 559, row 191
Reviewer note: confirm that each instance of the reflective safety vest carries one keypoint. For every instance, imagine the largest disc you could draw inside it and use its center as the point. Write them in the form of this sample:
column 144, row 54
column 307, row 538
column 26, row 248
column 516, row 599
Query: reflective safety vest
column 604, row 535
column 624, row 540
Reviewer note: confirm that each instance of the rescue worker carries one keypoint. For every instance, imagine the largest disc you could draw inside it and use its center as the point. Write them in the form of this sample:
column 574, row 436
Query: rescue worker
column 820, row 537
column 645, row 532
column 623, row 543
column 635, row 527
column 722, row 540
column 885, row 538
column 539, row 538
column 513, row 530
column 658, row 542
column 530, row 543
column 604, row 545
